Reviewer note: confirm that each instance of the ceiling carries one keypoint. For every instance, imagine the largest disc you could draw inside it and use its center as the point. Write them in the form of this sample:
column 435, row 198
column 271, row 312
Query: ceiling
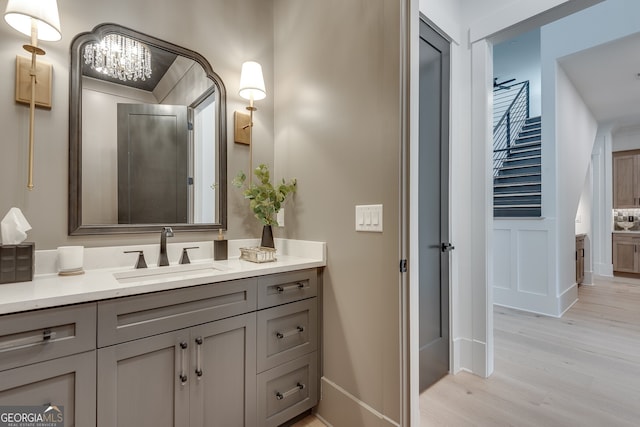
column 607, row 77
column 161, row 60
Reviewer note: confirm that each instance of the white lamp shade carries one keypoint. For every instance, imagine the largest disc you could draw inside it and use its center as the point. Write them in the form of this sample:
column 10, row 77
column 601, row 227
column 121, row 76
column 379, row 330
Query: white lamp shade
column 252, row 82
column 45, row 13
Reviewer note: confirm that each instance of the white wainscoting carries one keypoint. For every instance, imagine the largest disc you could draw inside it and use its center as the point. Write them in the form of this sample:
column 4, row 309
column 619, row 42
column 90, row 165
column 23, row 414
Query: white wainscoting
column 524, row 265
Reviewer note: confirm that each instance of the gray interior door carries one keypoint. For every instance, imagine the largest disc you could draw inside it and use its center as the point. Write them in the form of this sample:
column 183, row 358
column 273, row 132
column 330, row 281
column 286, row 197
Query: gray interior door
column 433, row 206
column 152, row 164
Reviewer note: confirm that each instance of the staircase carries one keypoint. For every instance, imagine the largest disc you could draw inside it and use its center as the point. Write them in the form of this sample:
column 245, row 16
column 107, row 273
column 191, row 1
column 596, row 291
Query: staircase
column 517, row 186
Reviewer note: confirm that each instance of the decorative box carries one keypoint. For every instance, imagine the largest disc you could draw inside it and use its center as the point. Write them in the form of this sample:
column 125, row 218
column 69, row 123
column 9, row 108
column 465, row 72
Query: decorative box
column 17, row 262
column 258, row 254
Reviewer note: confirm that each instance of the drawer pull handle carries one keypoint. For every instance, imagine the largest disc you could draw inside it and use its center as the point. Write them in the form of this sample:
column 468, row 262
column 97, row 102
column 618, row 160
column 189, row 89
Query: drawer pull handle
column 297, row 330
column 297, row 388
column 283, row 289
column 199, row 342
column 47, row 335
column 183, row 358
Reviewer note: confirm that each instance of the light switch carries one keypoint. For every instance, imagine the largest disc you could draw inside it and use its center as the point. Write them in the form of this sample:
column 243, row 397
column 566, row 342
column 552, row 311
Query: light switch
column 369, row 218
column 280, row 218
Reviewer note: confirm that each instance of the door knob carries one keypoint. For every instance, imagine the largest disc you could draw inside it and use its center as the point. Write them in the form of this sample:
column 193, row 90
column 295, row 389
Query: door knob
column 446, row 247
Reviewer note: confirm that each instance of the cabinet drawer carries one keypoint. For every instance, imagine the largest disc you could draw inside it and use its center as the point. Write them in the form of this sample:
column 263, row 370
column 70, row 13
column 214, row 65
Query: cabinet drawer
column 286, row 332
column 129, row 318
column 282, row 288
column 36, row 336
column 287, row 390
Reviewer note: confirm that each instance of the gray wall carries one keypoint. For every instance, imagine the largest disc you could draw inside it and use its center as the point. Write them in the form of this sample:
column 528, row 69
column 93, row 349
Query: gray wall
column 337, row 121
column 227, row 33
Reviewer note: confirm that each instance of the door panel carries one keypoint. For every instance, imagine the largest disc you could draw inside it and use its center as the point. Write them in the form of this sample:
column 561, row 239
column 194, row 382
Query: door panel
column 433, row 206
column 146, row 389
column 153, row 146
column 224, row 372
column 67, row 382
column 624, row 256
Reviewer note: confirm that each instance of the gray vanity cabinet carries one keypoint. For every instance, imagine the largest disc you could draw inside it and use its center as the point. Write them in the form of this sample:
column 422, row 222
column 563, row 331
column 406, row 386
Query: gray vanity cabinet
column 288, row 342
column 48, row 357
column 235, row 353
column 183, row 357
column 199, row 376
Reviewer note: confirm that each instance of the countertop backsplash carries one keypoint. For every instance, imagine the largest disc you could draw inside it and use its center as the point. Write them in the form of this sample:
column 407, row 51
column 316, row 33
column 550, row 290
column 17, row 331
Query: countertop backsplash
column 626, row 215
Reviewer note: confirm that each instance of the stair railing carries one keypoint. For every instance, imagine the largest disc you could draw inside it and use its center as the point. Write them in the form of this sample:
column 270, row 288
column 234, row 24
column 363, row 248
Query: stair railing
column 513, row 102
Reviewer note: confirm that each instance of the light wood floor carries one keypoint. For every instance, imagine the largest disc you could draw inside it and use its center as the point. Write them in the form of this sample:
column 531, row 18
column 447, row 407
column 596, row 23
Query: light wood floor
column 580, row 370
column 309, row 421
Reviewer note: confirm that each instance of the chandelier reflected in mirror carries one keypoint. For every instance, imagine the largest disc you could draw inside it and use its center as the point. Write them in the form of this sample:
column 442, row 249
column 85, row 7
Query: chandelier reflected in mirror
column 119, row 57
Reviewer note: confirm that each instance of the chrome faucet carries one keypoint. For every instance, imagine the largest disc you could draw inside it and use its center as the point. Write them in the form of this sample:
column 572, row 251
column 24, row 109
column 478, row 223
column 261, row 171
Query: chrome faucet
column 163, row 260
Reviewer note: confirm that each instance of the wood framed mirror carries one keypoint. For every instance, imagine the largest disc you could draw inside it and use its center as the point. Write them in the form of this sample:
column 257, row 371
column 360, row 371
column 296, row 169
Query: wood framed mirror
column 147, row 144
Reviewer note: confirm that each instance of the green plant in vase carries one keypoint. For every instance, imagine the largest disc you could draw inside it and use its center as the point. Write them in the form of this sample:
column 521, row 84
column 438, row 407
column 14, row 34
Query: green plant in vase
column 265, row 199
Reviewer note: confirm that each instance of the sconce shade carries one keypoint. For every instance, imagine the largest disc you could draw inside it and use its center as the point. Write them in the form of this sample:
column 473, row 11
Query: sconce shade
column 44, row 12
column 252, row 82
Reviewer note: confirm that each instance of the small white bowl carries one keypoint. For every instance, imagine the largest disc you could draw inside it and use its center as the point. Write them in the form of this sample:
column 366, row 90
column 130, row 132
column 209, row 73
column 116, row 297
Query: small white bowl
column 625, row 225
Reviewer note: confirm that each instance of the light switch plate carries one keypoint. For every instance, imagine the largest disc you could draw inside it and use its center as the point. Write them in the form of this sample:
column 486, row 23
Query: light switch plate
column 369, row 218
column 280, row 217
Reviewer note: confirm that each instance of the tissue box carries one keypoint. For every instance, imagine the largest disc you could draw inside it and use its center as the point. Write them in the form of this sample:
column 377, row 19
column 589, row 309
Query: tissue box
column 17, row 262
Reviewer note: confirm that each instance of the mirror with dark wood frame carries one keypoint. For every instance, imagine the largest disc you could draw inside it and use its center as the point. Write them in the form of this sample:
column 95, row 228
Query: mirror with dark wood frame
column 147, row 147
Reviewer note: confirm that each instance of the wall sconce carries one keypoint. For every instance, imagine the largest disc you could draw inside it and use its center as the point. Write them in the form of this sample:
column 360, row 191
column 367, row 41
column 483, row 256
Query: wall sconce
column 251, row 88
column 38, row 19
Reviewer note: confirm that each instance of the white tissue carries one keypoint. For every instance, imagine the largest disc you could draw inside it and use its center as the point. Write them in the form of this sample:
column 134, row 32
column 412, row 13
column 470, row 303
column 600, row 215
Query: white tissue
column 14, row 227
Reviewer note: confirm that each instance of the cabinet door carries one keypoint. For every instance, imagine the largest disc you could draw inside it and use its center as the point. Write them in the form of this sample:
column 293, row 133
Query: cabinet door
column 139, row 382
column 224, row 370
column 67, row 381
column 579, row 260
column 625, row 175
column 625, row 258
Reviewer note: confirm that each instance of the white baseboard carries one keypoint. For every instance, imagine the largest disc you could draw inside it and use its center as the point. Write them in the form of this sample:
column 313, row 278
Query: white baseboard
column 341, row 408
column 603, row 270
column 588, row 278
column 567, row 299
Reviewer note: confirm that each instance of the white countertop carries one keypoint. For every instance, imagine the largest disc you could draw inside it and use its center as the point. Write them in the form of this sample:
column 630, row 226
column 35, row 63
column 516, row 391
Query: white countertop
column 626, row 232
column 50, row 289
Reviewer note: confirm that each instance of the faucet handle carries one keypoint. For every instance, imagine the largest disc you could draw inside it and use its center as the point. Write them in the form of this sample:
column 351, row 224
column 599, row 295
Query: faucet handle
column 168, row 231
column 184, row 259
column 140, row 263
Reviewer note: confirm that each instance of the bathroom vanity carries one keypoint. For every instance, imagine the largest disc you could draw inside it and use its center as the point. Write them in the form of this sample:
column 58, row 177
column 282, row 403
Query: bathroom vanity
column 232, row 345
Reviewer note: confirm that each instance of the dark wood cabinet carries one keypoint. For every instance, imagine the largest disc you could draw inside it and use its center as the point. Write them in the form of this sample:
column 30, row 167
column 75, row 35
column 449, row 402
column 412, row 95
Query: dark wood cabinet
column 626, row 179
column 580, row 258
column 626, row 257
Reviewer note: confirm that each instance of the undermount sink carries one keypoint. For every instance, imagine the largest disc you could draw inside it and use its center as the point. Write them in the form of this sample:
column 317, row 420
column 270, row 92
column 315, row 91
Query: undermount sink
column 163, row 272
column 625, row 225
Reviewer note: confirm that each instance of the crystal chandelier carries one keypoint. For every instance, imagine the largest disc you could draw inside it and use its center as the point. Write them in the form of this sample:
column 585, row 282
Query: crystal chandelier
column 119, row 57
